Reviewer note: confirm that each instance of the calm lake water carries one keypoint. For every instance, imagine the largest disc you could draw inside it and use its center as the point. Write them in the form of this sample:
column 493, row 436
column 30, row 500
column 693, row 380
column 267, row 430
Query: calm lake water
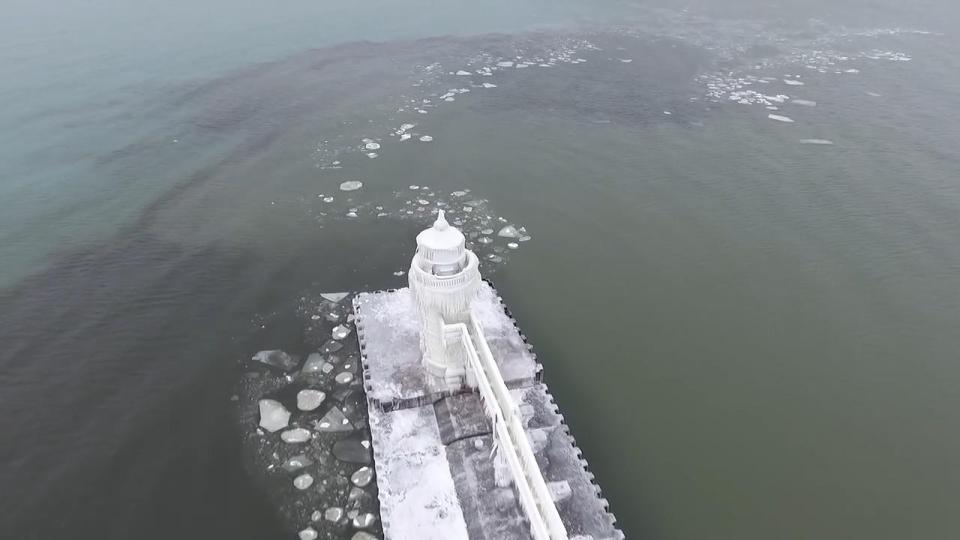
column 742, row 277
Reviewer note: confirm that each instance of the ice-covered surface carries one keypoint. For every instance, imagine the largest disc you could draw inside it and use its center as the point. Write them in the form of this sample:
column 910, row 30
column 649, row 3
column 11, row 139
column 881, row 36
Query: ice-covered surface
column 390, row 334
column 432, row 449
column 418, row 500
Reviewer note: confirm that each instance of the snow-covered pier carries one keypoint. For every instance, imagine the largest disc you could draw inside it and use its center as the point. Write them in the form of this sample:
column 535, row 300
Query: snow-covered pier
column 467, row 440
column 429, row 421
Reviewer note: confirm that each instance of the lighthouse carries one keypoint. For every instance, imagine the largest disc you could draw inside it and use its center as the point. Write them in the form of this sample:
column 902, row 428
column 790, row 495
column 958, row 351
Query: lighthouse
column 444, row 277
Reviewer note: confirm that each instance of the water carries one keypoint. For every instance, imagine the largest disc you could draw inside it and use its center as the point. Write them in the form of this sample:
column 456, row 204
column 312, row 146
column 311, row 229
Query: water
column 750, row 336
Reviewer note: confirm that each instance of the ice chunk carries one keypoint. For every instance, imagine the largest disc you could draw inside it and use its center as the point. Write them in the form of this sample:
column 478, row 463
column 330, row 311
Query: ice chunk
column 363, row 535
column 626, row 60
column 509, row 231
column 295, row 435
column 309, row 399
column 364, row 520
column 313, row 364
column 513, row 245
column 273, row 415
column 804, row 102
column 362, row 477
column 351, row 185
column 277, row 359
column 334, row 514
column 334, row 420
column 792, row 82
column 296, row 463
column 351, row 451
column 489, row 85
column 825, row 142
column 405, row 136
column 331, row 346
column 372, row 146
column 308, row 534
column 344, row 378
column 426, row 138
column 303, row 481
column 340, row 332
column 505, row 63
column 462, row 72
column 780, row 118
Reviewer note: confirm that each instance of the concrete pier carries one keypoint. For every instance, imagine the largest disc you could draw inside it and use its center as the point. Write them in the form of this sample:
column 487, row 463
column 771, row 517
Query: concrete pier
column 432, row 444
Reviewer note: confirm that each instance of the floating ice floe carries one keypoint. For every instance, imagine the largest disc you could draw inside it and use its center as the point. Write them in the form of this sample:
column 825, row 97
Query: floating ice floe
column 780, row 118
column 276, row 358
column 626, row 60
column 303, row 481
column 505, row 63
column 462, row 72
column 804, row 102
column 513, row 245
column 308, row 534
column 309, row 399
column 372, row 155
column 364, row 520
column 334, row 420
column 825, row 142
column 351, row 185
column 334, row 297
column 509, row 231
column 361, row 478
column 295, row 436
column 340, row 331
column 852, row 71
column 792, row 82
column 344, row 378
column 372, row 146
column 405, row 137
column 489, row 85
column 425, row 138
column 273, row 415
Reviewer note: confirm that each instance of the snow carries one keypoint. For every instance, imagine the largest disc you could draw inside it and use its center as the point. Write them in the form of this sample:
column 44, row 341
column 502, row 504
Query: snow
column 418, row 498
column 780, row 118
column 273, row 415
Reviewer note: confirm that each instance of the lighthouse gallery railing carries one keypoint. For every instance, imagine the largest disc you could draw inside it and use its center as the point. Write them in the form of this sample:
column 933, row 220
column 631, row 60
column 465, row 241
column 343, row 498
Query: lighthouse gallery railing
column 511, row 440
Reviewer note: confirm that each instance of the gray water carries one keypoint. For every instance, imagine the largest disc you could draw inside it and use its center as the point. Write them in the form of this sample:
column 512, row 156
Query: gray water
column 750, row 336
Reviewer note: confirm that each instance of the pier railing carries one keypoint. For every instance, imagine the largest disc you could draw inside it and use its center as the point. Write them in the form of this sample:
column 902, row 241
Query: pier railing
column 509, row 435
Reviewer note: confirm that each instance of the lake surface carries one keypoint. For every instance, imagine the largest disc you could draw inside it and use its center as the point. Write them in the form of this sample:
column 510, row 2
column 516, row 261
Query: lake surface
column 742, row 273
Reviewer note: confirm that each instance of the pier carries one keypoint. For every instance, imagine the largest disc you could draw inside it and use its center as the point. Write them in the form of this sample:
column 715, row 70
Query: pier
column 467, row 441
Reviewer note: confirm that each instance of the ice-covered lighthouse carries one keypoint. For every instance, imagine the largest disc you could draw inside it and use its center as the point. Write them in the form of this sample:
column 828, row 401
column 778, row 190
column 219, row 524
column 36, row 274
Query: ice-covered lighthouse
column 444, row 278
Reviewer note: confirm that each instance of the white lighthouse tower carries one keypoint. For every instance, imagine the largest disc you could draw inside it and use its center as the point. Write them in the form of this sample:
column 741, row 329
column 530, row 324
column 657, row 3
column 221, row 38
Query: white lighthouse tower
column 444, row 278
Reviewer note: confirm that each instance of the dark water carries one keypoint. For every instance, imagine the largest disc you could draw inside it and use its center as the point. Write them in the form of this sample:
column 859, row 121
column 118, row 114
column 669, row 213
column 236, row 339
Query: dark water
column 750, row 337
